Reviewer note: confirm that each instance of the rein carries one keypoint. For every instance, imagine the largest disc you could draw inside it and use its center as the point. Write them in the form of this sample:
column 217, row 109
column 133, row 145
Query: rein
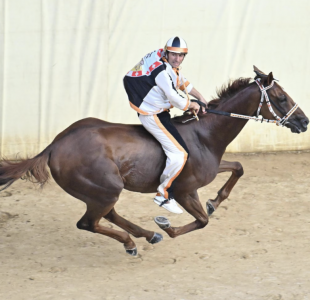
column 278, row 121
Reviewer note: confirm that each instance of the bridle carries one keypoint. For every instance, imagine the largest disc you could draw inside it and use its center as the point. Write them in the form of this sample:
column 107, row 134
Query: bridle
column 264, row 96
column 279, row 121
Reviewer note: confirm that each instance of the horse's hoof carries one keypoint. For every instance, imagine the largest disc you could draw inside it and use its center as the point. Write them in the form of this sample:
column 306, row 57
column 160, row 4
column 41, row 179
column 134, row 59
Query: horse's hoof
column 157, row 237
column 210, row 208
column 162, row 222
column 132, row 252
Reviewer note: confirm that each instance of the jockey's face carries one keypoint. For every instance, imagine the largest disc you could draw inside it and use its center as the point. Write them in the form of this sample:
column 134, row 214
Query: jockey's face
column 175, row 59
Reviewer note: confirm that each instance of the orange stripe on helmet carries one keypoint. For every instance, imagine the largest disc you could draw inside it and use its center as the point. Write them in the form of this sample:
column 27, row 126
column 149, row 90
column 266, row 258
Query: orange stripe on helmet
column 182, row 50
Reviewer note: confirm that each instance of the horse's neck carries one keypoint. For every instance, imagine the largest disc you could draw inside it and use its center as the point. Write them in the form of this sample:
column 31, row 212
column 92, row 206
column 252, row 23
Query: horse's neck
column 223, row 130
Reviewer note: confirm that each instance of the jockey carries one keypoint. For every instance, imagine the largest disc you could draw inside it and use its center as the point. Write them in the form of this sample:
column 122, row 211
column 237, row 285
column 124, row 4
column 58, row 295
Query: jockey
column 152, row 90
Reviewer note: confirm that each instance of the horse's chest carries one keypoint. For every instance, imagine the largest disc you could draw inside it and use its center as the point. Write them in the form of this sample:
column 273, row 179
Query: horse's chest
column 197, row 175
column 208, row 174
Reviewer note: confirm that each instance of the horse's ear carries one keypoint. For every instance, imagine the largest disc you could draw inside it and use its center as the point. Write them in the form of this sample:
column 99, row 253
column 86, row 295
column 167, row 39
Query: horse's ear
column 270, row 78
column 259, row 73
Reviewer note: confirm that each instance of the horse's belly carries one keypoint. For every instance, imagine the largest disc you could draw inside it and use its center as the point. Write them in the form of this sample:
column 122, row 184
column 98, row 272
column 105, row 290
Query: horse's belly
column 136, row 181
column 143, row 174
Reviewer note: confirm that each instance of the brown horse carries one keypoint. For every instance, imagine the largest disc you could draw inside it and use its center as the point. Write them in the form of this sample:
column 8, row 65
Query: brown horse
column 94, row 160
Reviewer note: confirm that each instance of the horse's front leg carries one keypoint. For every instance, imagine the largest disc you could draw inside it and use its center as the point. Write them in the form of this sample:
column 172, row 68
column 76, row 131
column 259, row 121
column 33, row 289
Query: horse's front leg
column 191, row 203
column 237, row 171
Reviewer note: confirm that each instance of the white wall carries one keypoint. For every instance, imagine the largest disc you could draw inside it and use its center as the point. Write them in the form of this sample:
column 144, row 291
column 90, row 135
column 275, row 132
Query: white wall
column 61, row 61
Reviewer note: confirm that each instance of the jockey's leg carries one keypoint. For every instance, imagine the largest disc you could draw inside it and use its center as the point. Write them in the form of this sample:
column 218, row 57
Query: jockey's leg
column 164, row 131
column 174, row 165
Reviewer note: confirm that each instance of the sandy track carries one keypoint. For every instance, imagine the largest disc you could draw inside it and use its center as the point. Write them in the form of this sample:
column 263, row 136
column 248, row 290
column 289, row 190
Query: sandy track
column 256, row 246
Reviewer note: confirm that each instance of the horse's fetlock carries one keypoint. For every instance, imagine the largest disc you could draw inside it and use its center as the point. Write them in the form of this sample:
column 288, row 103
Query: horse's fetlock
column 129, row 244
column 172, row 234
column 137, row 235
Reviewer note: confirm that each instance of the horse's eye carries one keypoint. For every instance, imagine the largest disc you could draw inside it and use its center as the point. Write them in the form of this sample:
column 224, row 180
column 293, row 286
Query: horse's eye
column 282, row 99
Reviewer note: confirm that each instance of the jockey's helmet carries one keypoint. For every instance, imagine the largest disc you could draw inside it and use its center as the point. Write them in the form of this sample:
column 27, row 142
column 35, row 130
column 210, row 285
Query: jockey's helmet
column 177, row 45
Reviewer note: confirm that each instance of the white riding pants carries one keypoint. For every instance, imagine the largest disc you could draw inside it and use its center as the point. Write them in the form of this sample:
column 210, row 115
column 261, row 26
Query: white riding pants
column 172, row 143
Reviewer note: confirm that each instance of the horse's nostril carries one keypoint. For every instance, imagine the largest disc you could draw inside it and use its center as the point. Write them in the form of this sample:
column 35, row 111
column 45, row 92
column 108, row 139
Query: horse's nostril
column 305, row 122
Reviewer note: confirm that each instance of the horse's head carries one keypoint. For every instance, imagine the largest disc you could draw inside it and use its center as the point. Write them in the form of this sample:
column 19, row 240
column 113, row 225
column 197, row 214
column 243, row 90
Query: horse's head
column 282, row 107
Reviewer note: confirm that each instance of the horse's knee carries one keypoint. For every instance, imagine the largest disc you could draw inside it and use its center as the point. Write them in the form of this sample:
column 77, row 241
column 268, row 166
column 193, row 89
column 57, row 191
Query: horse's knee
column 238, row 169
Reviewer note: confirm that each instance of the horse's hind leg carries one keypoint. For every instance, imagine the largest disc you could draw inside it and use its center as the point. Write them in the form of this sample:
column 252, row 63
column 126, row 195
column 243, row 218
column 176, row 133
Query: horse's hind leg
column 90, row 222
column 151, row 236
column 237, row 171
column 99, row 190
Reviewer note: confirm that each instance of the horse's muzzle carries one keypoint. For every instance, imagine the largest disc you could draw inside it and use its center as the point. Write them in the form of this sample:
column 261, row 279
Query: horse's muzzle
column 298, row 124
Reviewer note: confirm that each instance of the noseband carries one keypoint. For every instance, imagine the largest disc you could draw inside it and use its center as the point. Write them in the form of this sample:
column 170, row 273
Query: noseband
column 279, row 121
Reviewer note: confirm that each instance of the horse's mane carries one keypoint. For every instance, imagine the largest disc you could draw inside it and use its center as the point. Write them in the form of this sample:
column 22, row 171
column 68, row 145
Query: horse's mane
column 227, row 91
column 224, row 93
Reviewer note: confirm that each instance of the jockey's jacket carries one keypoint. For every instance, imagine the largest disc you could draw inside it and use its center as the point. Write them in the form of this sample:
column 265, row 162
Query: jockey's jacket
column 152, row 85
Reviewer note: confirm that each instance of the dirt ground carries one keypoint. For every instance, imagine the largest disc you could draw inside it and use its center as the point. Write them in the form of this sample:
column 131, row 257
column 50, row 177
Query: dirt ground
column 256, row 246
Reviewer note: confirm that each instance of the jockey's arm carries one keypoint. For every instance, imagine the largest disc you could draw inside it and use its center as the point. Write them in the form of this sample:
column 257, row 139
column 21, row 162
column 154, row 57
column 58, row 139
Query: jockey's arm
column 164, row 82
column 198, row 96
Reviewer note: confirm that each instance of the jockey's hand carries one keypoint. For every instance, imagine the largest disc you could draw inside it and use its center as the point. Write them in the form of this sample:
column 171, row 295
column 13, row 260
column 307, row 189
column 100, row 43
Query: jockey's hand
column 198, row 96
column 194, row 107
column 205, row 102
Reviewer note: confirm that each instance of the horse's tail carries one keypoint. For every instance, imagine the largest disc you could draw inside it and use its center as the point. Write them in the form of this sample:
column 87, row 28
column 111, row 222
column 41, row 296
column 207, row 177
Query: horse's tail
column 32, row 169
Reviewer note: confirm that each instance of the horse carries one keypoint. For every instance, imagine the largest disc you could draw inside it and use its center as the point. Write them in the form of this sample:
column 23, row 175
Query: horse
column 94, row 160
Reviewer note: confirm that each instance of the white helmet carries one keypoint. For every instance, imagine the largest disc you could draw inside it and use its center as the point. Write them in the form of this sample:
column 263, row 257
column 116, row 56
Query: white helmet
column 176, row 45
